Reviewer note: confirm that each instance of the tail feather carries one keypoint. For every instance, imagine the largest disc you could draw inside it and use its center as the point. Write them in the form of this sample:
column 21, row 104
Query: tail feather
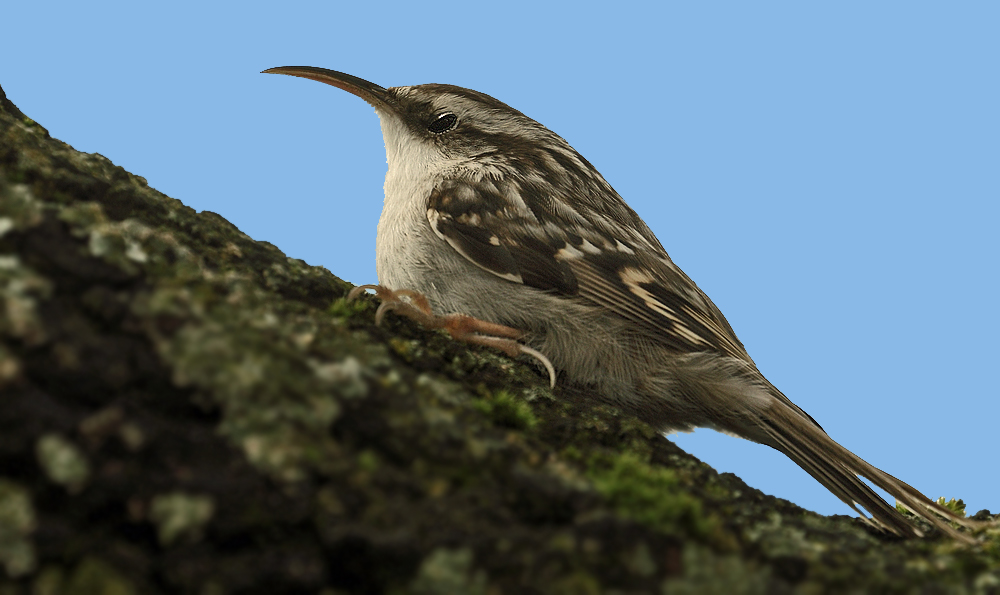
column 838, row 469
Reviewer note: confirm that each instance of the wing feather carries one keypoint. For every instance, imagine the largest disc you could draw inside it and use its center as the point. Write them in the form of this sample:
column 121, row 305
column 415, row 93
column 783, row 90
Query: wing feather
column 636, row 280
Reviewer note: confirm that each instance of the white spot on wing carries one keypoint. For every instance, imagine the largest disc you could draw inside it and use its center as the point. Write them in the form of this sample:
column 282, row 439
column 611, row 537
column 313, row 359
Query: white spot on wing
column 434, row 217
column 632, row 277
column 568, row 252
column 472, row 219
column 623, row 248
column 589, row 248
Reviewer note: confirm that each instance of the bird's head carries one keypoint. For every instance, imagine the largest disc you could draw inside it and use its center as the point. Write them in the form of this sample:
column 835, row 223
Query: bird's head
column 433, row 128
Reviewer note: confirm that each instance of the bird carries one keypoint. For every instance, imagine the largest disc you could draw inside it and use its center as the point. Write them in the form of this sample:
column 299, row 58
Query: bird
column 495, row 229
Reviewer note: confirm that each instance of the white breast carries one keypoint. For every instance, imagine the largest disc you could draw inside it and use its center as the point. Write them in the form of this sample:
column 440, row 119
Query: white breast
column 415, row 167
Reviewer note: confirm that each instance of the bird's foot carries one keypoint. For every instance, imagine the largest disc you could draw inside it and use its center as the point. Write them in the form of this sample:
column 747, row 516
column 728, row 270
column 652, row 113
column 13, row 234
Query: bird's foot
column 414, row 305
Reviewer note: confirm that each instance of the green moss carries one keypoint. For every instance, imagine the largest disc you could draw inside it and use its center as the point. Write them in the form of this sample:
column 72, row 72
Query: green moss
column 368, row 461
column 647, row 494
column 507, row 410
column 956, row 506
column 572, row 453
column 342, row 308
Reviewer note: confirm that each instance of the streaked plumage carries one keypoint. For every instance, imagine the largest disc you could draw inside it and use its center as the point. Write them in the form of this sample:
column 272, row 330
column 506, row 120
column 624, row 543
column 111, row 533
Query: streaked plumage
column 490, row 214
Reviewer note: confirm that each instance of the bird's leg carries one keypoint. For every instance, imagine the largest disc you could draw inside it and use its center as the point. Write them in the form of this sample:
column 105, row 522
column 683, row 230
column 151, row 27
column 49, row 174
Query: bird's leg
column 415, row 306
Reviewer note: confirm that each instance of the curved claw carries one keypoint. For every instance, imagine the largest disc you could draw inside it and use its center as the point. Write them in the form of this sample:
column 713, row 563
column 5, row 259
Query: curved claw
column 463, row 328
column 385, row 306
column 545, row 362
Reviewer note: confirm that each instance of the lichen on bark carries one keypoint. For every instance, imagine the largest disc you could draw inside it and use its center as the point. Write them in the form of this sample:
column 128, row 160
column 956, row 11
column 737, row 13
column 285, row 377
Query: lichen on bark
column 185, row 409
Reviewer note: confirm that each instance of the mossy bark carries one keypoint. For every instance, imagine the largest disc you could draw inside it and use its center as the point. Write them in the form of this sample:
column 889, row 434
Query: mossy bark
column 184, row 409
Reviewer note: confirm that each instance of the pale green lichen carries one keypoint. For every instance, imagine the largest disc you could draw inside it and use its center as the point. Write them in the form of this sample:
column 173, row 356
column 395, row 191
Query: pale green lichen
column 436, row 390
column 708, row 572
column 279, row 450
column 17, row 521
column 449, row 572
column 568, row 475
column 110, row 421
column 281, row 372
column 346, row 375
column 249, row 359
column 19, row 210
column 179, row 514
column 21, row 290
column 10, row 366
column 63, row 462
column 639, row 560
column 776, row 539
column 93, row 576
column 561, row 541
column 132, row 436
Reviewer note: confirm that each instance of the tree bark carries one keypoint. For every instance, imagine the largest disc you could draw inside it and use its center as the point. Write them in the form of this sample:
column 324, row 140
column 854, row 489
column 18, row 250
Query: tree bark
column 184, row 409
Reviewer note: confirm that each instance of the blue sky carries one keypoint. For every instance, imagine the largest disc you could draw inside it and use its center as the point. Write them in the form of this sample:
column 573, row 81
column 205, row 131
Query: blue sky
column 827, row 174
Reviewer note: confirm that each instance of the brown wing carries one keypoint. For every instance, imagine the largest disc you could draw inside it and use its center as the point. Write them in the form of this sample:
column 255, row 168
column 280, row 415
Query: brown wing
column 626, row 275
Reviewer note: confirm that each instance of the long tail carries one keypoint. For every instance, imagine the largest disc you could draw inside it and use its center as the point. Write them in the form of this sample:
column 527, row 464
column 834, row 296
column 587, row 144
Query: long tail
column 837, row 468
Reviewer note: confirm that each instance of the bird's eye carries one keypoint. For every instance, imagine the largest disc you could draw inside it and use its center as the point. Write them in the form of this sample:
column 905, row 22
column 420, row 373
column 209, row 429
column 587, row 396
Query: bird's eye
column 443, row 123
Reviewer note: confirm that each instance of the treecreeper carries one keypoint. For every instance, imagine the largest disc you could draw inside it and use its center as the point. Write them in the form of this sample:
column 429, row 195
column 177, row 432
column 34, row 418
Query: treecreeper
column 495, row 229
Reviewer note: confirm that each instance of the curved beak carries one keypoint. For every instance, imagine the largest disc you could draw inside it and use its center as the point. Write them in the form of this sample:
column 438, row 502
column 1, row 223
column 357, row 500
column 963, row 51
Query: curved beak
column 370, row 92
